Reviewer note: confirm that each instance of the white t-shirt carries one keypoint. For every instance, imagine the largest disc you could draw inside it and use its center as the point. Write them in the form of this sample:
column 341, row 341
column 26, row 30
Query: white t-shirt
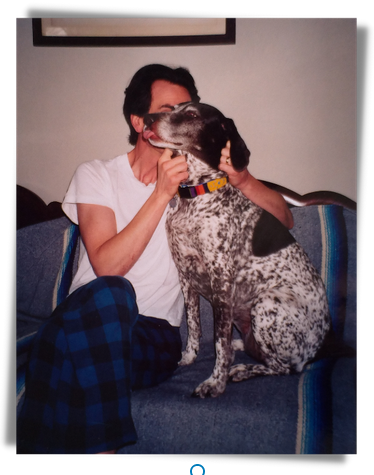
column 154, row 276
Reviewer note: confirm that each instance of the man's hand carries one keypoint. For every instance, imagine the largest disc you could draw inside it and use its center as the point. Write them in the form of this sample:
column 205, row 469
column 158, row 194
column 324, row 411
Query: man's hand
column 171, row 172
column 254, row 190
column 237, row 179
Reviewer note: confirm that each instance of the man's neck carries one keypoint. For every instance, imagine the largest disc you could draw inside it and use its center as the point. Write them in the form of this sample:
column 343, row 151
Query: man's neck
column 143, row 161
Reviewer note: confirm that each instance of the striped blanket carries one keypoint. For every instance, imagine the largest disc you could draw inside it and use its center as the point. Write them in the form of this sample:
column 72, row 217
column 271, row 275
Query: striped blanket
column 315, row 418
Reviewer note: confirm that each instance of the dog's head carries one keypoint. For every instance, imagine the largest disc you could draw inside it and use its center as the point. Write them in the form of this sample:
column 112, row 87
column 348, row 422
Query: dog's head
column 199, row 129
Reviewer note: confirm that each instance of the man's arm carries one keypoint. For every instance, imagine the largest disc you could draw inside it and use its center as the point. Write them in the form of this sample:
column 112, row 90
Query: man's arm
column 253, row 189
column 113, row 253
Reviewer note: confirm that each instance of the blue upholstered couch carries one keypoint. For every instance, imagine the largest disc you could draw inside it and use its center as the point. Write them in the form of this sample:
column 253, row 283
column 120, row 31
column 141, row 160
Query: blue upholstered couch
column 311, row 413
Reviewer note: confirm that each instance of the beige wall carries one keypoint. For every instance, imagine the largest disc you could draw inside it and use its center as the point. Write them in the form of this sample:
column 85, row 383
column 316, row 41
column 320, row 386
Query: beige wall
column 289, row 85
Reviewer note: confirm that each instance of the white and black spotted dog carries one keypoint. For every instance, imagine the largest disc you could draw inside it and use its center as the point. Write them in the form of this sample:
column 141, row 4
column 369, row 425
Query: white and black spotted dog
column 237, row 256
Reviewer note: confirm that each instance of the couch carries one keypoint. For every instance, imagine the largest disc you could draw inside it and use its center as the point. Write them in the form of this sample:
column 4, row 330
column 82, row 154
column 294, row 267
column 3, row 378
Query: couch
column 309, row 413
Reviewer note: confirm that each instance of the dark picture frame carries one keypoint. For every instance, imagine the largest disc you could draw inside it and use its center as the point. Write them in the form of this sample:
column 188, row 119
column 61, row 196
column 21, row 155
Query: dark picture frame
column 214, row 31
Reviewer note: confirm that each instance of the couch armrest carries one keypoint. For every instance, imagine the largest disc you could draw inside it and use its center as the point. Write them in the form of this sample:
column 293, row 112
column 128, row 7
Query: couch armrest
column 314, row 198
column 31, row 209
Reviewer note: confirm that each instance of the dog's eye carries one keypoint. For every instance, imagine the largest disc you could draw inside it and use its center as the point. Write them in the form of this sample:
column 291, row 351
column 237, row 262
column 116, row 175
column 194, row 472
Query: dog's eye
column 191, row 114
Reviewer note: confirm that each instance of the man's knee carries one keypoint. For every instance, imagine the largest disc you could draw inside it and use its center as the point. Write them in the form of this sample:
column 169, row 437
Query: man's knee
column 120, row 289
column 115, row 282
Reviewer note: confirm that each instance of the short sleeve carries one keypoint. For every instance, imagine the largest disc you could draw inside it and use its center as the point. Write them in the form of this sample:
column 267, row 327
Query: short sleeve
column 90, row 185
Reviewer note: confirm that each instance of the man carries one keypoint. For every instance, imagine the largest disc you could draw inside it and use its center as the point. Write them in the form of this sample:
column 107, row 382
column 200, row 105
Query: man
column 118, row 329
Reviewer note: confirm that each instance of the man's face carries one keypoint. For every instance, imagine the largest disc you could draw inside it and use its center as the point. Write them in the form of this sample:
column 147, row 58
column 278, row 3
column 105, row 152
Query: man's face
column 166, row 95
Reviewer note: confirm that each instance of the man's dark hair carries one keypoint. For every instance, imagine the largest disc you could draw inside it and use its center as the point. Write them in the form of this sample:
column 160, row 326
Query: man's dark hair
column 138, row 95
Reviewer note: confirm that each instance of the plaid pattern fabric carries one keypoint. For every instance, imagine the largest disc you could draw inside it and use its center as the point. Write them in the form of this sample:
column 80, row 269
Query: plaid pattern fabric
column 82, row 366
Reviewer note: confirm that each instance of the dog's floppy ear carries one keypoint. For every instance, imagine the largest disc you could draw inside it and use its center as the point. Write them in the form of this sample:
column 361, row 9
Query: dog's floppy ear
column 238, row 151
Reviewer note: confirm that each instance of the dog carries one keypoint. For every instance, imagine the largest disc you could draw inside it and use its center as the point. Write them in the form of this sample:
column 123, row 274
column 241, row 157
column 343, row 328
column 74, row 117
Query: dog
column 237, row 256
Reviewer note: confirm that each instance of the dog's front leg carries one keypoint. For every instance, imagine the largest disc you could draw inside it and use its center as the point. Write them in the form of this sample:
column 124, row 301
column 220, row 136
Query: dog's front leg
column 216, row 383
column 191, row 299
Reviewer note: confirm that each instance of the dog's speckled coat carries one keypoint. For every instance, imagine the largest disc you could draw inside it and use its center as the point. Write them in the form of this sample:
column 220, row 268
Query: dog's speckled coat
column 239, row 258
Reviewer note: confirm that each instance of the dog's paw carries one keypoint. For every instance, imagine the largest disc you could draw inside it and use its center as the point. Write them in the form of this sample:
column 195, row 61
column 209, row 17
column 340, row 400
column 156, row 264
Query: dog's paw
column 238, row 373
column 188, row 357
column 212, row 387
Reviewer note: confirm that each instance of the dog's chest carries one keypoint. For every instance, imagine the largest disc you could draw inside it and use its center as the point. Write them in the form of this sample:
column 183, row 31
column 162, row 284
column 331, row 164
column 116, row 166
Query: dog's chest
column 209, row 228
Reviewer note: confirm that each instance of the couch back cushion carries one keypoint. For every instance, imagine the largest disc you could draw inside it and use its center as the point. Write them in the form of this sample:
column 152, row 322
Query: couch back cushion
column 46, row 260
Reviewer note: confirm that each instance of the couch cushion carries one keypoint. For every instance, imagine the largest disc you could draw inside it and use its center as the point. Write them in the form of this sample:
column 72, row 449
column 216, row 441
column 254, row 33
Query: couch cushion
column 45, row 260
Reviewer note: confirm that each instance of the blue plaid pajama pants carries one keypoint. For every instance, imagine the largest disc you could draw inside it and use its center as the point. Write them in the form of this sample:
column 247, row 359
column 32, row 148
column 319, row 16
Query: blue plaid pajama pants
column 85, row 361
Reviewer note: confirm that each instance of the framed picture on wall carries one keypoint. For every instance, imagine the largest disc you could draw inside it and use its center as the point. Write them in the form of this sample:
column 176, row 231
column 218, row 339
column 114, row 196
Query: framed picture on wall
column 133, row 31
